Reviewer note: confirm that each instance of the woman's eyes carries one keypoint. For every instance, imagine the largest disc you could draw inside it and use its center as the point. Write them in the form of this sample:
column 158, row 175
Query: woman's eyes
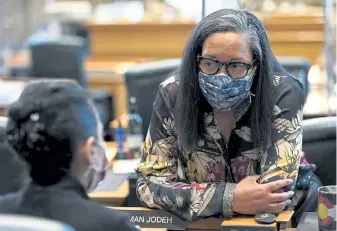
column 209, row 63
column 236, row 65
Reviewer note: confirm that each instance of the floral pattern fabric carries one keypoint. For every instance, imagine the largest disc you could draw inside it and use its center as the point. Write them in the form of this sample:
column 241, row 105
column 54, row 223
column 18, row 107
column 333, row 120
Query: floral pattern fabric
column 202, row 183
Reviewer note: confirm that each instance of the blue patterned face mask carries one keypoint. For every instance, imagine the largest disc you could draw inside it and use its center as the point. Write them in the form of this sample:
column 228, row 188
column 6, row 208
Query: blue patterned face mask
column 224, row 92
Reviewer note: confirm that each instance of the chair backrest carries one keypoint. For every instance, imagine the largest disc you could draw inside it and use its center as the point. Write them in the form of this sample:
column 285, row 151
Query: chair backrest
column 142, row 82
column 28, row 223
column 298, row 67
column 104, row 103
column 78, row 29
column 319, row 145
column 62, row 57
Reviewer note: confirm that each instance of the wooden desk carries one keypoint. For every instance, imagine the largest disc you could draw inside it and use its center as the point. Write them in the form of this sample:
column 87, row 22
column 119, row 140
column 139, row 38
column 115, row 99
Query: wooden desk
column 113, row 198
column 247, row 222
column 204, row 224
column 284, row 220
column 209, row 223
column 153, row 229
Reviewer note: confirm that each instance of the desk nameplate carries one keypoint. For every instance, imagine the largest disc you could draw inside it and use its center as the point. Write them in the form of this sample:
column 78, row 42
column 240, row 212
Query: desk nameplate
column 147, row 218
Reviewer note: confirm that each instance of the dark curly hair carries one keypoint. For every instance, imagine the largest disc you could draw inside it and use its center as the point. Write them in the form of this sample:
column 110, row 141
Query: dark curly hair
column 46, row 126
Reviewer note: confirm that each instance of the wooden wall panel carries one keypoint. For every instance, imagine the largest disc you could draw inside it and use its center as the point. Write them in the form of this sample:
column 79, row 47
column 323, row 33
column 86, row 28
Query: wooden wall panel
column 138, row 42
column 289, row 36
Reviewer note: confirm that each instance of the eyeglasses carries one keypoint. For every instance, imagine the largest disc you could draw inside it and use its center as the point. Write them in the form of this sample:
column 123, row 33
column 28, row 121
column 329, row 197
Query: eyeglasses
column 211, row 66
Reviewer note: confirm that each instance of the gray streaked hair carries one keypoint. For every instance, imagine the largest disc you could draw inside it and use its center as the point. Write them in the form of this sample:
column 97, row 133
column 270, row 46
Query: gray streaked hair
column 233, row 21
column 189, row 118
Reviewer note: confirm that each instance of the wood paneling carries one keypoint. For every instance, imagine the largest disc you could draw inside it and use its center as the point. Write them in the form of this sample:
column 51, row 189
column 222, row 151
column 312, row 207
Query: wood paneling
column 138, row 42
column 289, row 36
column 301, row 36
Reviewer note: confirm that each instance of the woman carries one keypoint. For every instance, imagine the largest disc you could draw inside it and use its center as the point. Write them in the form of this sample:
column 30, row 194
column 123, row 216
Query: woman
column 225, row 134
column 54, row 127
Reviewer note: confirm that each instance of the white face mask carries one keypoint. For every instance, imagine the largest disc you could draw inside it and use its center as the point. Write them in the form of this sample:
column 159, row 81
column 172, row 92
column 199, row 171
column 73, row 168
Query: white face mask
column 98, row 167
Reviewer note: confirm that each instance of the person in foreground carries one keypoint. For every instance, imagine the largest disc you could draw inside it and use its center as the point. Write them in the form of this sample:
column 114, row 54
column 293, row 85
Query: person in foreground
column 55, row 128
column 225, row 135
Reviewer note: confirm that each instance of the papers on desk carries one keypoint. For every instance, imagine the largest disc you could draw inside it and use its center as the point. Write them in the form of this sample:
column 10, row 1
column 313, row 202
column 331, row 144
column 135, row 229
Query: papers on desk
column 111, row 182
column 10, row 91
column 125, row 166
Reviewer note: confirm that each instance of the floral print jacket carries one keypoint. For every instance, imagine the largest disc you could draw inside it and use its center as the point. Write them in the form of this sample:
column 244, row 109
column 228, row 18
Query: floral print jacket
column 201, row 184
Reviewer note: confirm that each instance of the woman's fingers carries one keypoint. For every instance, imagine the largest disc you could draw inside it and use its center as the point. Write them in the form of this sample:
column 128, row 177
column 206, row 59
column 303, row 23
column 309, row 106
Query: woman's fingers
column 275, row 185
column 279, row 197
column 277, row 207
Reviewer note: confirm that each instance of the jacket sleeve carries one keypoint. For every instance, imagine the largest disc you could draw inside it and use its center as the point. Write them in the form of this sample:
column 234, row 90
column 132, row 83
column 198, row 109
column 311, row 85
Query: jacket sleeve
column 162, row 182
column 282, row 159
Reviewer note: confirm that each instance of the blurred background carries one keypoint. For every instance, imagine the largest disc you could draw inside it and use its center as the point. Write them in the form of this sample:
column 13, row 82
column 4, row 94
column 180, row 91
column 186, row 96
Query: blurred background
column 106, row 39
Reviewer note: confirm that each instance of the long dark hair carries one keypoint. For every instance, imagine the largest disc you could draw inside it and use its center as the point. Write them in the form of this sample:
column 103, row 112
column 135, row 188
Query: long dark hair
column 47, row 125
column 191, row 104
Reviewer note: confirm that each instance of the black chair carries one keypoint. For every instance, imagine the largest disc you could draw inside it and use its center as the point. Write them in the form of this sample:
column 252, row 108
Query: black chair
column 64, row 58
column 298, row 67
column 319, row 144
column 104, row 104
column 78, row 29
column 142, row 82
column 58, row 58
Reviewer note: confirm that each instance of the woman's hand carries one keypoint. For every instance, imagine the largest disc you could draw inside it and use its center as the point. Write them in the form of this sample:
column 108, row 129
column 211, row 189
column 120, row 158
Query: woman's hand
column 252, row 198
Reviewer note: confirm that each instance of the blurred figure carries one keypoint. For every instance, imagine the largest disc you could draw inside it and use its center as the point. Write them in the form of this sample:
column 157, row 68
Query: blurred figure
column 54, row 127
column 13, row 171
column 27, row 223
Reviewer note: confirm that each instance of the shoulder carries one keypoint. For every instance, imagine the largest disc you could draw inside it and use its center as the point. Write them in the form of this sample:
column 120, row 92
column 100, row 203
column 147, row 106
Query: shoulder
column 109, row 218
column 167, row 93
column 288, row 86
column 16, row 174
column 290, row 97
column 170, row 86
column 9, row 203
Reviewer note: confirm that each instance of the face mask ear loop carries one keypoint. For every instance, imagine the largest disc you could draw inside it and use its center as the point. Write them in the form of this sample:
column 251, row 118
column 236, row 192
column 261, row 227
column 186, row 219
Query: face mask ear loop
column 250, row 97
